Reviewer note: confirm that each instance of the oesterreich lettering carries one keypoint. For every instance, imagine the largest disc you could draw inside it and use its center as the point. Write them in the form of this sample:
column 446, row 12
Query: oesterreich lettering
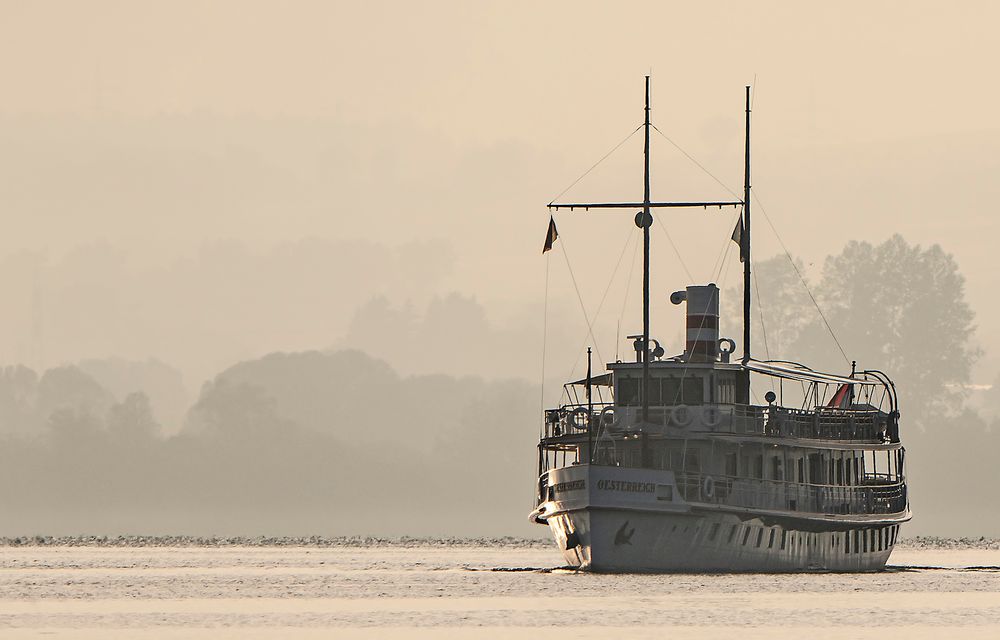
column 626, row 486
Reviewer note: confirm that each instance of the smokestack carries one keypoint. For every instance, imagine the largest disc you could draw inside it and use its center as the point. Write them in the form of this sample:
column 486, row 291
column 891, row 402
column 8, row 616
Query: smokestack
column 702, row 321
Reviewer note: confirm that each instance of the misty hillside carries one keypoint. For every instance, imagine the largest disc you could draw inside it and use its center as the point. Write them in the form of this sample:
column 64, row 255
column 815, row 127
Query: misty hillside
column 333, row 443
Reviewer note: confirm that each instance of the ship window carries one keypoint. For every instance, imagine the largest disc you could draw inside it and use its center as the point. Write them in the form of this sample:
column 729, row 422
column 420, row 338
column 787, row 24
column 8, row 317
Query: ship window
column 653, row 391
column 758, row 467
column 670, row 388
column 746, row 536
column 815, row 468
column 693, row 461
column 847, row 542
column 714, row 531
column 760, row 536
column 732, row 533
column 675, row 459
column 776, row 470
column 857, row 542
column 770, row 542
column 694, row 391
column 799, row 468
column 730, row 464
column 628, row 391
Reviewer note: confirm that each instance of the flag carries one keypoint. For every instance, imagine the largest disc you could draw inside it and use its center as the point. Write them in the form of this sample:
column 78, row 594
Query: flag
column 844, row 397
column 738, row 237
column 550, row 235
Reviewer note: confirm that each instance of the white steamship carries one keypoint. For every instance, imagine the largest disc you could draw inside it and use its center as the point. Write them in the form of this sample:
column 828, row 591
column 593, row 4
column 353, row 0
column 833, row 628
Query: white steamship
column 668, row 463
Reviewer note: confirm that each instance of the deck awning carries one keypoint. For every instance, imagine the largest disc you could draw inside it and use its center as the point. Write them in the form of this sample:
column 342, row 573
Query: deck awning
column 603, row 380
column 792, row 371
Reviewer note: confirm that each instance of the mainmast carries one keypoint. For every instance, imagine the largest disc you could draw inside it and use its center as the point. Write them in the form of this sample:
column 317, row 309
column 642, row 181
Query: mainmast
column 745, row 249
column 647, row 222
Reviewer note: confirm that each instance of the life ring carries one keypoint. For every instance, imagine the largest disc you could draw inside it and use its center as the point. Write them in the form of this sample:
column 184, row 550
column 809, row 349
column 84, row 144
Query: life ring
column 580, row 418
column 612, row 422
column 708, row 487
column 711, row 416
column 681, row 415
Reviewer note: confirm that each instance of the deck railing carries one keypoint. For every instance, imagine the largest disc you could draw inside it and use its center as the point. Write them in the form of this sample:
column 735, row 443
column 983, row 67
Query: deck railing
column 821, row 423
column 876, row 494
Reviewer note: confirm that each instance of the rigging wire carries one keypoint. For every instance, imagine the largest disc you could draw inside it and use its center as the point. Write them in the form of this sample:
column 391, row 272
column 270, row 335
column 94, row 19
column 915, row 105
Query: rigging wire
column 674, row 246
column 727, row 244
column 579, row 351
column 628, row 289
column 594, row 166
column 801, row 278
column 698, row 164
column 760, row 314
column 583, row 308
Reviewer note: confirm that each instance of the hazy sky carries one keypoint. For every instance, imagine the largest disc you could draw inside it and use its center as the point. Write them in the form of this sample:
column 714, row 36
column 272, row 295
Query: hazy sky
column 155, row 130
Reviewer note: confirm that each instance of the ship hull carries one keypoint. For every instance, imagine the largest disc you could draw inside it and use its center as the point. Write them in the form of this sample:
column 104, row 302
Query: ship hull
column 620, row 522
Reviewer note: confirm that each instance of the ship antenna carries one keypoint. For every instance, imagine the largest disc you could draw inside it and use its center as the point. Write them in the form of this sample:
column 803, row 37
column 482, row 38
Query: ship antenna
column 746, row 240
column 647, row 220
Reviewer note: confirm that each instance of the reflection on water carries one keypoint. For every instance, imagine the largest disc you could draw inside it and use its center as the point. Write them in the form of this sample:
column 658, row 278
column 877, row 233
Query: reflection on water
column 468, row 590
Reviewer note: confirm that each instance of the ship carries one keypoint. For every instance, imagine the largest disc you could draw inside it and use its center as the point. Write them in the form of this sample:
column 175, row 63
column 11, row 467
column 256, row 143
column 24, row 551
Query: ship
column 673, row 464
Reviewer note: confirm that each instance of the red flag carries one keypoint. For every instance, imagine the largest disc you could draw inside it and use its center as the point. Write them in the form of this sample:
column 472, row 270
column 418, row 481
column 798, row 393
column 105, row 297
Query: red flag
column 842, row 399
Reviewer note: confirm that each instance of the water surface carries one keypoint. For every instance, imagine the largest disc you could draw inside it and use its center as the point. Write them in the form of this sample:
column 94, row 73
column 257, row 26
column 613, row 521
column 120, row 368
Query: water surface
column 487, row 589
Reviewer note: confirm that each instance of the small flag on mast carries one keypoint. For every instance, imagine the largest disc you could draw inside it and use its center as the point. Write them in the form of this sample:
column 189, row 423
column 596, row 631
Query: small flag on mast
column 550, row 235
column 738, row 237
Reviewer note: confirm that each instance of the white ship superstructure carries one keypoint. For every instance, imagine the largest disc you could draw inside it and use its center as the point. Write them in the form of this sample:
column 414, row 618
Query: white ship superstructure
column 668, row 463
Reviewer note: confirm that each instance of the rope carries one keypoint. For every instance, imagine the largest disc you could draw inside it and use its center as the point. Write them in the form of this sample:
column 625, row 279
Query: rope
column 801, row 278
column 676, row 252
column 579, row 351
column 594, row 166
column 583, row 308
column 724, row 251
column 628, row 289
column 698, row 164
column 760, row 314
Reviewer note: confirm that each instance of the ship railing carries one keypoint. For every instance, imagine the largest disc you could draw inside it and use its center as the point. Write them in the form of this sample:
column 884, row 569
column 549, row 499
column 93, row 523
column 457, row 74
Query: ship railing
column 874, row 496
column 822, row 423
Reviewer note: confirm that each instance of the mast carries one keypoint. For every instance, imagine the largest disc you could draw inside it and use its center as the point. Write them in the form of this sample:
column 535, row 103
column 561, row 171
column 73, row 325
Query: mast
column 746, row 240
column 647, row 220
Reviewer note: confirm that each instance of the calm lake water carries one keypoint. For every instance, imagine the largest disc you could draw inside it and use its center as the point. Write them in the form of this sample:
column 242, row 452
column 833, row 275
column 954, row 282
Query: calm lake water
column 470, row 590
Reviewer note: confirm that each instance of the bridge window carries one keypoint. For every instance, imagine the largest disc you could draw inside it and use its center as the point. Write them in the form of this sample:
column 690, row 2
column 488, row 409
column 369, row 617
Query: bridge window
column 653, row 391
column 628, row 391
column 694, row 391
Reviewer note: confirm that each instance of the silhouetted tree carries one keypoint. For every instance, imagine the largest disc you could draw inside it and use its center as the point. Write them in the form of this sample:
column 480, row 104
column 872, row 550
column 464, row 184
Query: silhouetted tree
column 901, row 308
column 132, row 418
